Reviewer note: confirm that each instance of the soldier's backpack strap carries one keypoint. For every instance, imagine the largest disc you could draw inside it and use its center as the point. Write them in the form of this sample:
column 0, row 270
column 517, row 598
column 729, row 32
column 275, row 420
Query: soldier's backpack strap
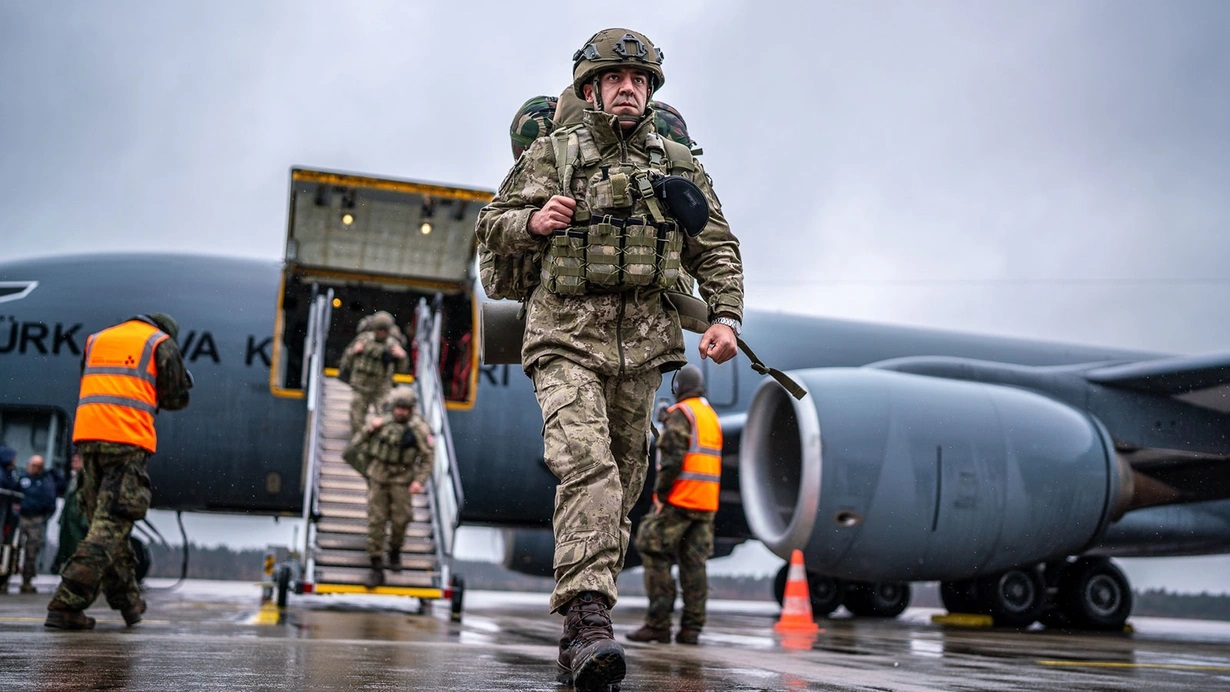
column 680, row 157
column 694, row 317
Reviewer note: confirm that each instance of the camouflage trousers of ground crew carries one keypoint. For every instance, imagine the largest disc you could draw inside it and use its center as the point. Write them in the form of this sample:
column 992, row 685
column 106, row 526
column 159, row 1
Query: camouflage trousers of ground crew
column 34, row 531
column 680, row 536
column 361, row 401
column 115, row 494
column 596, row 442
column 387, row 502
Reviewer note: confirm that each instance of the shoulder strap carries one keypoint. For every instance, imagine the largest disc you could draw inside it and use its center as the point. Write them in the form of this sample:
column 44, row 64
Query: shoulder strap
column 680, row 157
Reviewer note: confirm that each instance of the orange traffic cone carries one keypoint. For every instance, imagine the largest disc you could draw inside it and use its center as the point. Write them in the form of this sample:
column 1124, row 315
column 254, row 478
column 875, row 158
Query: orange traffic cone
column 796, row 604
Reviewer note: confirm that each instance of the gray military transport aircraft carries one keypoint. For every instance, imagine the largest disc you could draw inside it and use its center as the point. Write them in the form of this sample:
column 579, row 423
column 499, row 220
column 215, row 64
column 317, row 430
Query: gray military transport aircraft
column 1010, row 470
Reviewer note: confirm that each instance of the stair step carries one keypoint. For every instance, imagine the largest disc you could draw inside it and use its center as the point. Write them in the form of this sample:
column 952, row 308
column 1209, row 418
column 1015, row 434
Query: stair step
column 412, row 562
column 359, row 526
column 357, row 542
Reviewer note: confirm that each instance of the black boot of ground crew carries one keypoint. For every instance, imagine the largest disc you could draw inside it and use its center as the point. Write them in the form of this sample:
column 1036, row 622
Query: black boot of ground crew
column 597, row 659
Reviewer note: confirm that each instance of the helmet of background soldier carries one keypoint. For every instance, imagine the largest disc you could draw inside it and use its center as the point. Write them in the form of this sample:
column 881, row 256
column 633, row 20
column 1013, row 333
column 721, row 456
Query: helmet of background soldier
column 381, row 320
column 533, row 120
column 403, row 397
column 166, row 323
column 688, row 382
column 612, row 48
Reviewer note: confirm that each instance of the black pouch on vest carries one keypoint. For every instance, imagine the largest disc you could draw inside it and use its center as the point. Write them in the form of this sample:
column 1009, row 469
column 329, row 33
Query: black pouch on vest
column 686, row 202
column 408, row 440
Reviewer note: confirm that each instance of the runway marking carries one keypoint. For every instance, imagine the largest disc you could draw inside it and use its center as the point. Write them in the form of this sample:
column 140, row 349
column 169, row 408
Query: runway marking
column 1120, row 664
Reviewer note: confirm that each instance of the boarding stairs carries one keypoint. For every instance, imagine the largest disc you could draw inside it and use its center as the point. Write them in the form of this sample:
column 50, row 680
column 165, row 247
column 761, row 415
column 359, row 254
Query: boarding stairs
column 335, row 499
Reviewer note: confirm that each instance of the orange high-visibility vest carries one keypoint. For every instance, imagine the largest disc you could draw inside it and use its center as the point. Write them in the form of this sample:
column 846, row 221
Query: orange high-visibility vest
column 698, row 484
column 119, row 393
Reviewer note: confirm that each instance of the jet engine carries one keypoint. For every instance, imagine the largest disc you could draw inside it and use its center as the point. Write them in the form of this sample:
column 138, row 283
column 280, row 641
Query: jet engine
column 883, row 476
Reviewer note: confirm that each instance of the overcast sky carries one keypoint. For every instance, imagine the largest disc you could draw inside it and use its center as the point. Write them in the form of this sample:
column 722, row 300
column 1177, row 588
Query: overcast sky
column 1045, row 169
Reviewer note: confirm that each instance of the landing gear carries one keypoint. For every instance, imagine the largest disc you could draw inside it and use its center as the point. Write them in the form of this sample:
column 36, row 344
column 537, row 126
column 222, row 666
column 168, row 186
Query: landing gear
column 877, row 599
column 1095, row 594
column 1087, row 593
column 458, row 598
column 826, row 592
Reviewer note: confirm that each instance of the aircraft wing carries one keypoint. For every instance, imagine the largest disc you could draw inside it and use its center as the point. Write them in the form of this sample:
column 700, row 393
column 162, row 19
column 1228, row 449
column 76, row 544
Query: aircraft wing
column 1202, row 380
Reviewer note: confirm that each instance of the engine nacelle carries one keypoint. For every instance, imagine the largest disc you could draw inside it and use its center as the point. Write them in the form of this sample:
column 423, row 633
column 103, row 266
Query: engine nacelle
column 884, row 476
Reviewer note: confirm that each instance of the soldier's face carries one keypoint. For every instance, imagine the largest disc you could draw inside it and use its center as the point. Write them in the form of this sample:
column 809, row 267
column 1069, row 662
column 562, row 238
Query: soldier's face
column 401, row 414
column 625, row 91
column 381, row 334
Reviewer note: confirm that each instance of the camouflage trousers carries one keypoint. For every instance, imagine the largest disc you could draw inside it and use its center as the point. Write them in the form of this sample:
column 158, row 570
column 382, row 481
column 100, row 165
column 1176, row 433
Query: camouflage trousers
column 116, row 493
column 387, row 502
column 596, row 442
column 362, row 400
column 33, row 532
column 672, row 536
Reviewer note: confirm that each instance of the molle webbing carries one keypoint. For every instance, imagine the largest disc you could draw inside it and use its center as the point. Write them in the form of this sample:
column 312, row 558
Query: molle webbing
column 613, row 254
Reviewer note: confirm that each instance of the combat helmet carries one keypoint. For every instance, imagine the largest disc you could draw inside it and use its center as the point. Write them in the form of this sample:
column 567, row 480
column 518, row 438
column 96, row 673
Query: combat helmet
column 403, row 396
column 612, row 48
column 381, row 320
column 688, row 382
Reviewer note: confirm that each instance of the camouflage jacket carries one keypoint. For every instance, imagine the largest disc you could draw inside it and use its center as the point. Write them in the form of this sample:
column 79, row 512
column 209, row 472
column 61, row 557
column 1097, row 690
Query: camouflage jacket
column 373, row 367
column 398, row 452
column 171, row 385
column 615, row 332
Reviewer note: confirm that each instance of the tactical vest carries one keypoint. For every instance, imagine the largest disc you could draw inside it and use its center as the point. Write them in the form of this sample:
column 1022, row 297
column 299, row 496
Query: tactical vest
column 613, row 252
column 119, row 386
column 701, row 479
column 602, row 254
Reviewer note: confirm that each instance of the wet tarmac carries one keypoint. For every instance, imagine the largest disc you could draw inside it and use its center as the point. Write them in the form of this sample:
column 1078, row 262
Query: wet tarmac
column 213, row 635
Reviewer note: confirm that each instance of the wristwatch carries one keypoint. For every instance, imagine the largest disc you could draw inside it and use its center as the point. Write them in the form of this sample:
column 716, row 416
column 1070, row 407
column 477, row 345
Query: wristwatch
column 735, row 325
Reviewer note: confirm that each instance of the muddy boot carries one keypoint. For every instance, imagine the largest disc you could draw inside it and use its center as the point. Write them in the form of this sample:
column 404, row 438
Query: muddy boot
column 27, row 587
column 376, row 576
column 597, row 659
column 62, row 618
column 688, row 636
column 132, row 615
column 662, row 635
column 395, row 560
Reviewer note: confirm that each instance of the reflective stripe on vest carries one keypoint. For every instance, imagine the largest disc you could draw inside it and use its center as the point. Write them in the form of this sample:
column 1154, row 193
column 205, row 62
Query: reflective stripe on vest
column 119, row 393
column 698, row 485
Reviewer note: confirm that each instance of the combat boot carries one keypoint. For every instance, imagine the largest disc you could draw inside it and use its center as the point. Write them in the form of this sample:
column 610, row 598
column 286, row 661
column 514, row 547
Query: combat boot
column 27, row 587
column 395, row 559
column 62, row 618
column 564, row 660
column 662, row 635
column 597, row 660
column 688, row 636
column 132, row 614
column 376, row 576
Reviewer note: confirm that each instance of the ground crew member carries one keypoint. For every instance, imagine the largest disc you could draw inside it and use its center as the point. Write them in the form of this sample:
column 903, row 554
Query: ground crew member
column 368, row 364
column 129, row 372
column 399, row 456
column 685, row 501
column 597, row 341
column 39, row 488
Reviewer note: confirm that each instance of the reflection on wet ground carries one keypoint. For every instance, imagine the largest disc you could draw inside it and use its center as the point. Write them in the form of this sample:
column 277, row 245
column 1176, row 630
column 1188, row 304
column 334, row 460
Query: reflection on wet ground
column 212, row 635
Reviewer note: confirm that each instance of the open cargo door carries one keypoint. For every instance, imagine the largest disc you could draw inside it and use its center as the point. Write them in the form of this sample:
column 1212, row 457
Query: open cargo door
column 379, row 244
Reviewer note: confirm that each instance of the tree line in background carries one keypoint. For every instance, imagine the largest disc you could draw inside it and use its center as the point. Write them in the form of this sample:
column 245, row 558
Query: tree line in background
column 223, row 563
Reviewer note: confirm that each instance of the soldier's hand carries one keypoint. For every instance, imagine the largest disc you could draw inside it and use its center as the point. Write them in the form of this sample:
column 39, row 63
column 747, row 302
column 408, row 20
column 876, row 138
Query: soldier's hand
column 375, row 424
column 416, row 487
column 657, row 506
column 398, row 352
column 718, row 343
column 555, row 215
column 358, row 347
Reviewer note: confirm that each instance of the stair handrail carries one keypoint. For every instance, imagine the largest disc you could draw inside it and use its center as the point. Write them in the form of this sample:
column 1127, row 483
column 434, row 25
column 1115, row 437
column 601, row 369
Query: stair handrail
column 319, row 316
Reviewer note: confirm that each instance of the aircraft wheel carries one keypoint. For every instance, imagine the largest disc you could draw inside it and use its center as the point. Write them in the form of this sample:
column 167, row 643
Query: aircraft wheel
column 1095, row 594
column 141, row 552
column 1014, row 598
column 459, row 590
column 960, row 596
column 826, row 593
column 878, row 599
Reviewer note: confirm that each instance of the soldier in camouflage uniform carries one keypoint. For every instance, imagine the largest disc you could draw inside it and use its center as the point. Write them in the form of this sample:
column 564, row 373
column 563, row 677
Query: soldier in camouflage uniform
column 399, row 455
column 596, row 358
column 121, row 391
column 680, row 527
column 369, row 362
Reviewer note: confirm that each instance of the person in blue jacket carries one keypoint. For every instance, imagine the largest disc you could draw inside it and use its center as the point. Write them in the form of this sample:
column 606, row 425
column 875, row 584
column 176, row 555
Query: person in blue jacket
column 39, row 487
